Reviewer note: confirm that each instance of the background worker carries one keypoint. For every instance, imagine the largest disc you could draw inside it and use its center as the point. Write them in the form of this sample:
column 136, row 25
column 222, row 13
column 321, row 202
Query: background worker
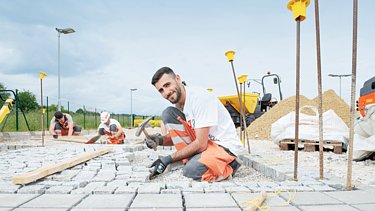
column 204, row 136
column 111, row 128
column 62, row 124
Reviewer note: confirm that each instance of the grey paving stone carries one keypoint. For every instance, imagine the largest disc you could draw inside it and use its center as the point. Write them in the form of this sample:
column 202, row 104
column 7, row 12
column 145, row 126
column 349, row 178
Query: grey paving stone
column 125, row 190
column 8, row 187
column 214, row 200
column 157, row 209
column 40, row 209
column 365, row 207
column 157, row 201
column 214, row 209
column 174, row 191
column 237, row 189
column 59, row 189
column 192, row 190
column 32, row 189
column 54, row 201
column 82, row 191
column 105, row 201
column 177, row 185
column 328, row 208
column 353, row 197
column 214, row 190
column 14, row 200
column 321, row 188
column 149, row 189
column 117, row 183
column 125, row 168
column 309, row 198
column 104, row 190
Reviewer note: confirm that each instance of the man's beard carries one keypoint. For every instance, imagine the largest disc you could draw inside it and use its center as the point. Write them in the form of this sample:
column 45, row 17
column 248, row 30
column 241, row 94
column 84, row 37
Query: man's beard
column 178, row 95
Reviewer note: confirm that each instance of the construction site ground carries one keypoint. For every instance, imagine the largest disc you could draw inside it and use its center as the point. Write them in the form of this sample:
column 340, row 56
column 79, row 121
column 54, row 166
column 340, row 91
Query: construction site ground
column 118, row 180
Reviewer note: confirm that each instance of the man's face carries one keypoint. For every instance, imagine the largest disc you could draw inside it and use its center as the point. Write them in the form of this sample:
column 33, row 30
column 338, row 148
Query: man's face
column 61, row 120
column 169, row 88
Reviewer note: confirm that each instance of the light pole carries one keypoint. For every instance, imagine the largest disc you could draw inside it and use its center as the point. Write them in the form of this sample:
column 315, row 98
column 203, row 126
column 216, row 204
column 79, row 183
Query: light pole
column 60, row 31
column 339, row 76
column 131, row 106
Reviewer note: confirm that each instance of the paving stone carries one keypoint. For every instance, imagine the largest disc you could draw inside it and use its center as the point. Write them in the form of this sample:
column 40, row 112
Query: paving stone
column 214, row 200
column 60, row 189
column 174, row 191
column 149, row 189
column 85, row 175
column 8, row 187
column 117, row 183
column 32, row 189
column 156, row 209
column 54, row 201
column 195, row 184
column 32, row 209
column 328, row 208
column 95, row 185
column 125, row 168
column 214, row 190
column 236, row 189
column 140, row 169
column 82, row 191
column 105, row 202
column 365, row 207
column 126, row 190
column 15, row 200
column 104, row 190
column 158, row 201
column 192, row 190
column 122, row 177
column 75, row 184
column 103, row 178
column 177, row 185
column 310, row 198
column 321, row 188
column 353, row 197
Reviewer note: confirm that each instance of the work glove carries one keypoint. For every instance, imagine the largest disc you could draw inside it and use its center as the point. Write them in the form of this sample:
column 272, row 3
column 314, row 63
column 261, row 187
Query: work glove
column 154, row 140
column 159, row 166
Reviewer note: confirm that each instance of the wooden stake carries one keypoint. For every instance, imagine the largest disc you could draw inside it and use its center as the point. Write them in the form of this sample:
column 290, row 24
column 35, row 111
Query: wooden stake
column 51, row 169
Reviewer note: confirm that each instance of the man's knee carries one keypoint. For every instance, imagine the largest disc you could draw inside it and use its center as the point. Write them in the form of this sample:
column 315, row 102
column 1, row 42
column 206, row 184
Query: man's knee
column 77, row 130
column 170, row 115
column 194, row 169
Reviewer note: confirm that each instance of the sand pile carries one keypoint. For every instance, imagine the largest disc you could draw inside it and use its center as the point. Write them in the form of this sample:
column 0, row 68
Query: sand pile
column 261, row 127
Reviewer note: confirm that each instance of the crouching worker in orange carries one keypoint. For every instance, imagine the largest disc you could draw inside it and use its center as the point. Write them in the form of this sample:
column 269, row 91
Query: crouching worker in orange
column 62, row 124
column 199, row 127
column 111, row 128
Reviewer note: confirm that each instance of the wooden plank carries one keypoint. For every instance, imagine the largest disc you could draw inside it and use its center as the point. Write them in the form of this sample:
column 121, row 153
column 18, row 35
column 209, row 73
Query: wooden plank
column 51, row 169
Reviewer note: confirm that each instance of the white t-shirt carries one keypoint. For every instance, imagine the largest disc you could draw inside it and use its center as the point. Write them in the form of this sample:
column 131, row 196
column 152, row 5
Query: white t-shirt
column 111, row 122
column 202, row 109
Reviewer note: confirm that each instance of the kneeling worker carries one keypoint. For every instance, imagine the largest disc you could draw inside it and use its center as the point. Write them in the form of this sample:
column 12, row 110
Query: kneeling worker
column 111, row 128
column 62, row 124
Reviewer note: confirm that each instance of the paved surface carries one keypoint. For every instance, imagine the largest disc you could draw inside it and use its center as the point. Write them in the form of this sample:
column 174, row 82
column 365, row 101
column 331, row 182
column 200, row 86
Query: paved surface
column 113, row 182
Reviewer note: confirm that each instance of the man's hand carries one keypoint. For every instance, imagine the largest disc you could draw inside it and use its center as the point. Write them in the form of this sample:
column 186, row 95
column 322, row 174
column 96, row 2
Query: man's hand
column 160, row 165
column 154, row 141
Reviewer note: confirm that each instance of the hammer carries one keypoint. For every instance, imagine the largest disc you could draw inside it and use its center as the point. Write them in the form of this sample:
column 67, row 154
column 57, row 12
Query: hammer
column 141, row 128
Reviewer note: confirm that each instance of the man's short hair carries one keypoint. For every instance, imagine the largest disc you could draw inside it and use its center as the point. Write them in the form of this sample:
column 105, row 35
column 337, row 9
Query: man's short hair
column 160, row 73
column 58, row 115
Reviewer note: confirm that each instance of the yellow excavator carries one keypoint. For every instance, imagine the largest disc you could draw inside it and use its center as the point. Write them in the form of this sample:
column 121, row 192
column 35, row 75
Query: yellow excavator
column 6, row 108
column 254, row 104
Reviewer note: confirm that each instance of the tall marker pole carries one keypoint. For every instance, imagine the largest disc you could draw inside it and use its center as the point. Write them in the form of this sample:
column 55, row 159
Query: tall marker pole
column 352, row 105
column 298, row 7
column 230, row 56
column 41, row 76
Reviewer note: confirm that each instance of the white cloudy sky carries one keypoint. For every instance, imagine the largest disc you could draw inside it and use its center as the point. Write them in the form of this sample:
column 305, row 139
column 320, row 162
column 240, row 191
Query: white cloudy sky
column 118, row 45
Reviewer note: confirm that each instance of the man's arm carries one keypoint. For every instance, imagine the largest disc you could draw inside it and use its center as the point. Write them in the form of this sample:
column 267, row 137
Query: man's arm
column 197, row 146
column 70, row 124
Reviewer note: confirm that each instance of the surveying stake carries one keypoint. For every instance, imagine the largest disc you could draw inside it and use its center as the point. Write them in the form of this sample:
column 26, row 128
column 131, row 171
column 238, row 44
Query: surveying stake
column 298, row 7
column 41, row 76
column 230, row 56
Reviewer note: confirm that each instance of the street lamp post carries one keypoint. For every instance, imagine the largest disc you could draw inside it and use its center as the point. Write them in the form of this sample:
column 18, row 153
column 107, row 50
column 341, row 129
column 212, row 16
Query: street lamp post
column 131, row 106
column 339, row 76
column 60, row 31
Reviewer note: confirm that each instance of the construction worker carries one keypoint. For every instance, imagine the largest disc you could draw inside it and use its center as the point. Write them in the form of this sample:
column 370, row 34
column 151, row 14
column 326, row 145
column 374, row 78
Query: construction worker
column 62, row 124
column 199, row 127
column 111, row 128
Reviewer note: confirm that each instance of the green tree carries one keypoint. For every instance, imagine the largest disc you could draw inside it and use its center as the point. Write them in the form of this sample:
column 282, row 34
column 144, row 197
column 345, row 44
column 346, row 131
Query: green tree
column 80, row 111
column 27, row 101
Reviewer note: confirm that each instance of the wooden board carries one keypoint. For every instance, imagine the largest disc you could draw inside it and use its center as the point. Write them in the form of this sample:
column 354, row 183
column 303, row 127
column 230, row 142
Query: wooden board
column 51, row 169
column 312, row 146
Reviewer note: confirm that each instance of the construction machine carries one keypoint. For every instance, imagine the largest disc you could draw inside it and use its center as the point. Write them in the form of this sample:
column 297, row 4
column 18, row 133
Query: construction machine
column 254, row 104
column 8, row 103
